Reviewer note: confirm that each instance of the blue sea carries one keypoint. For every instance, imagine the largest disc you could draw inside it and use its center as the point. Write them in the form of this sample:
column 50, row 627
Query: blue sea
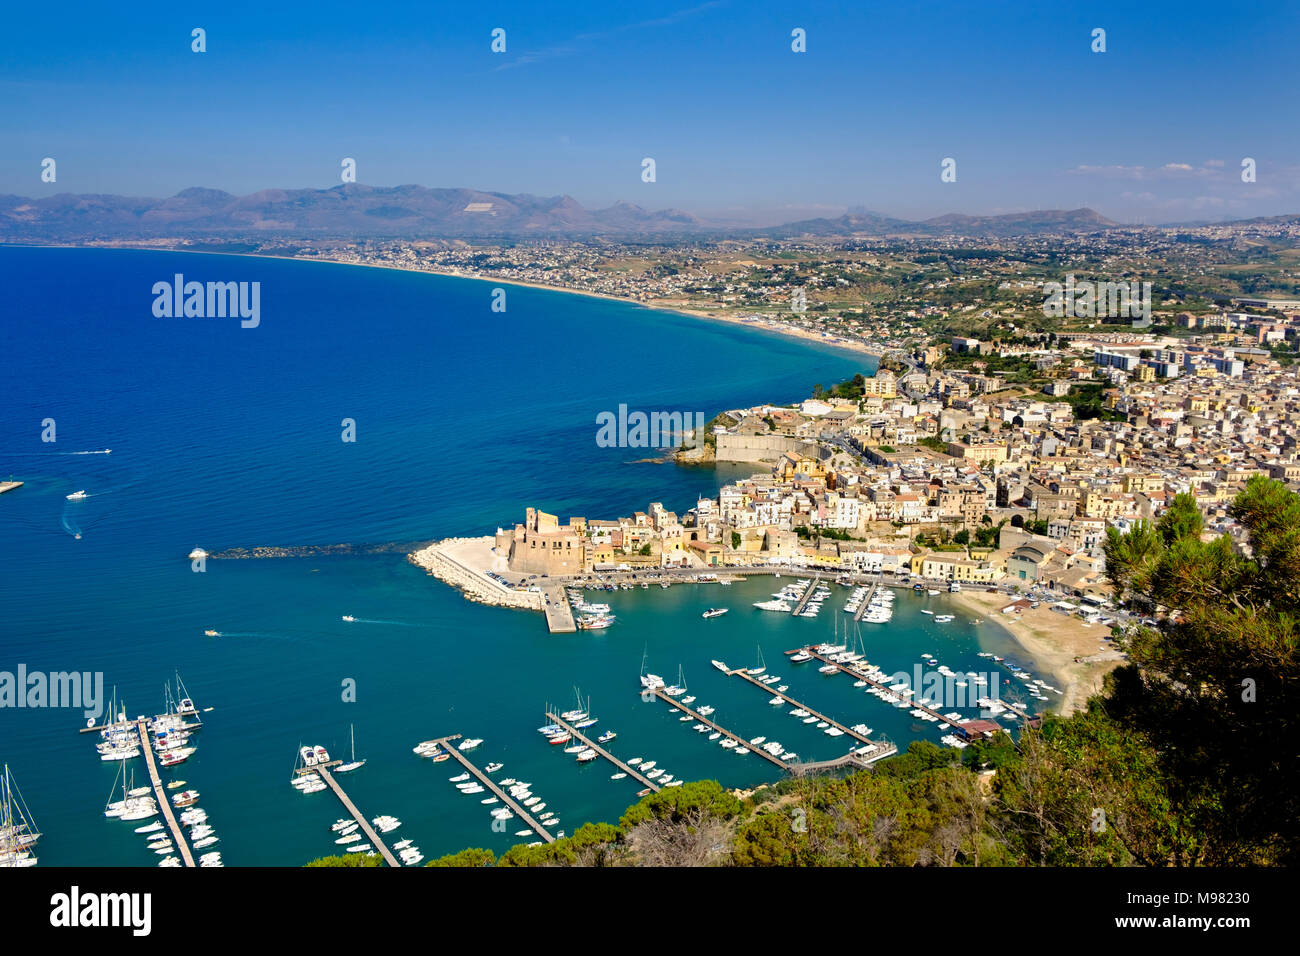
column 226, row 437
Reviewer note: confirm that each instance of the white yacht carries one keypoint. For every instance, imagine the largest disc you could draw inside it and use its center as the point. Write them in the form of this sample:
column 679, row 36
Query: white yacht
column 77, row 496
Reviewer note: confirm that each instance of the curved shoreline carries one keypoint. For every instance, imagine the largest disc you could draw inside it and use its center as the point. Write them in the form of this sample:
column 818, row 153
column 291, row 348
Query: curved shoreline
column 843, row 345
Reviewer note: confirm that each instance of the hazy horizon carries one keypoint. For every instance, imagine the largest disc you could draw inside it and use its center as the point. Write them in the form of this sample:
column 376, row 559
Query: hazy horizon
column 742, row 127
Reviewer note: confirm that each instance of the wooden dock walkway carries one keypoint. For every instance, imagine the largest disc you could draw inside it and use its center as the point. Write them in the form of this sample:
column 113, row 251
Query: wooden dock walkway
column 882, row 749
column 866, row 601
column 629, row 770
column 371, row 834
column 164, row 805
column 808, row 593
column 506, row 799
column 954, row 724
column 659, row 692
column 559, row 615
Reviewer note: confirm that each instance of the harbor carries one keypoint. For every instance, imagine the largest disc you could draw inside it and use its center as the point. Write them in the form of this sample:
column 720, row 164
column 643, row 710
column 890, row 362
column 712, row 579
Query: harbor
column 160, row 795
column 622, row 767
column 741, row 742
column 351, row 808
column 487, row 782
column 871, row 750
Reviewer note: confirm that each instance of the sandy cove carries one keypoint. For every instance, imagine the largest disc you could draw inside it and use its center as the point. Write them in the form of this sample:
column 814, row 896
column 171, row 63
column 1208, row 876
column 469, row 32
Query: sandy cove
column 1070, row 649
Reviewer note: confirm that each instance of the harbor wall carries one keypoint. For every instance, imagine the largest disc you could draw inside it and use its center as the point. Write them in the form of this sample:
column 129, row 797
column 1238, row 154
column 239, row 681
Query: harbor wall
column 439, row 560
column 753, row 448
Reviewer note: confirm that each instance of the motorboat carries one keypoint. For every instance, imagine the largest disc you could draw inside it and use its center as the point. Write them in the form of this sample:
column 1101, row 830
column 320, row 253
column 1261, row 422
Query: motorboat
column 714, row 612
column 77, row 496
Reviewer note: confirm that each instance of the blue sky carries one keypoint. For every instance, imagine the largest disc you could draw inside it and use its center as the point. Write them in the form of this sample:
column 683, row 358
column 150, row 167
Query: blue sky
column 1152, row 130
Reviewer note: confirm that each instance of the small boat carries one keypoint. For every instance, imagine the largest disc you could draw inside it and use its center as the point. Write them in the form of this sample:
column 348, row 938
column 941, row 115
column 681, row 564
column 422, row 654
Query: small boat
column 470, row 744
column 606, row 737
column 618, row 776
column 493, row 767
column 175, row 784
column 349, row 618
column 150, row 828
column 720, row 665
column 77, row 496
column 211, row 633
column 714, row 612
column 354, row 763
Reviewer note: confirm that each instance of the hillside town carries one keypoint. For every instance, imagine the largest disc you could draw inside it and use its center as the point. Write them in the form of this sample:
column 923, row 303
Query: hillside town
column 951, row 476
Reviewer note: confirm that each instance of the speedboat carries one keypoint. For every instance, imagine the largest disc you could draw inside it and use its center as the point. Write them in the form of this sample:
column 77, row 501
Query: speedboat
column 606, row 737
column 470, row 744
column 77, row 496
column 349, row 618
column 714, row 612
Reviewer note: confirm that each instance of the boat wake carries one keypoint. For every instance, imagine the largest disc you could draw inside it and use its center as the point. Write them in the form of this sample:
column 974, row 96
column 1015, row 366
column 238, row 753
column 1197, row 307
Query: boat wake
column 46, row 454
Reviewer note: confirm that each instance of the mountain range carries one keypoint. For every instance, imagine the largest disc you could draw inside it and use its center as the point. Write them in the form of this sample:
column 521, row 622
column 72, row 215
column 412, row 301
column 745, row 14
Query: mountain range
column 359, row 211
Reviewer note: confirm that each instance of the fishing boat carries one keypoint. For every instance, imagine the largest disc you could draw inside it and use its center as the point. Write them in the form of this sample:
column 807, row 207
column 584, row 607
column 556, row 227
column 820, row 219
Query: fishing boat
column 354, row 763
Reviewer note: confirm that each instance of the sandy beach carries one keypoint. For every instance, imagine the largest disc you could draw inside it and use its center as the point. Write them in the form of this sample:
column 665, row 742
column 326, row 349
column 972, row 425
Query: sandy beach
column 1054, row 641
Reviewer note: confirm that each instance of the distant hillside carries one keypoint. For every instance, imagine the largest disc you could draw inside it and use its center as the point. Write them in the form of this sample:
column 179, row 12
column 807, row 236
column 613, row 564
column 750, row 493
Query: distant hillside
column 357, row 211
column 1041, row 222
column 344, row 211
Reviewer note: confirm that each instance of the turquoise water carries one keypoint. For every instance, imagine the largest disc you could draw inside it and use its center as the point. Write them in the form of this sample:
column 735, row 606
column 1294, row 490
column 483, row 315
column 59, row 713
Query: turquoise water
column 228, row 437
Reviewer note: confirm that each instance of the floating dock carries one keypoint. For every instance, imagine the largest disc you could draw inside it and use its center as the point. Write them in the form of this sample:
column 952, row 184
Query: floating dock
column 882, row 748
column 866, row 601
column 629, row 770
column 506, row 799
column 759, row 751
column 9, row 486
column 366, row 828
column 164, row 805
column 954, row 724
column 808, row 593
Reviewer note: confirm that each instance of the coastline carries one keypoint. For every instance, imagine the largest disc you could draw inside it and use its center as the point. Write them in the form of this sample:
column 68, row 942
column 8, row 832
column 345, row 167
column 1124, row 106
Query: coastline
column 1071, row 650
column 775, row 328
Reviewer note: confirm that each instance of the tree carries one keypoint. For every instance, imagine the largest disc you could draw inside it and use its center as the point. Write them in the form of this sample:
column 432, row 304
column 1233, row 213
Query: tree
column 735, row 541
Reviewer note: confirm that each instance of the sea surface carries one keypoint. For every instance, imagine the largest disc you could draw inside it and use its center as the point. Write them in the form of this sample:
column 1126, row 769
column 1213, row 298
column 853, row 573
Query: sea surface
column 225, row 437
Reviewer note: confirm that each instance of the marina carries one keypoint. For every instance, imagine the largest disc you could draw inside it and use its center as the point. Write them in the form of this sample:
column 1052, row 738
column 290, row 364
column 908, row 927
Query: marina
column 871, row 751
column 958, row 725
column 357, row 815
column 696, row 715
column 490, row 784
column 164, row 804
column 807, row 595
column 624, row 768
